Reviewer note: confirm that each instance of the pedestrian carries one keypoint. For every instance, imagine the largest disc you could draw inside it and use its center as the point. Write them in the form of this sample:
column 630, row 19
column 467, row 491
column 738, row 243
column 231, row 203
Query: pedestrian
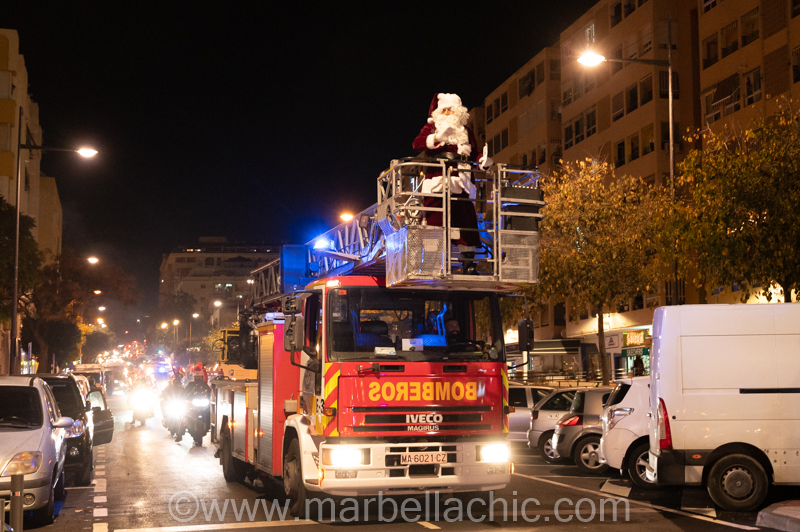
column 638, row 366
column 447, row 136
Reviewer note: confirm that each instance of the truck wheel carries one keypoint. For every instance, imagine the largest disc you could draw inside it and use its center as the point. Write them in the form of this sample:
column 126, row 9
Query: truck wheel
column 293, row 480
column 738, row 483
column 586, row 456
column 546, row 449
column 233, row 469
column 637, row 466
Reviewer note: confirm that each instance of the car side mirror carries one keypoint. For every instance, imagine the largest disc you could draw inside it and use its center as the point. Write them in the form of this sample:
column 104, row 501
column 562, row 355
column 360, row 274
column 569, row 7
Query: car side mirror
column 63, row 422
column 525, row 332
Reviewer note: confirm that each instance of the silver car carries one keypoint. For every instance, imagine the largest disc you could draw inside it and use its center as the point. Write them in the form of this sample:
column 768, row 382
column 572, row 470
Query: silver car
column 32, row 443
column 578, row 433
column 523, row 398
column 543, row 419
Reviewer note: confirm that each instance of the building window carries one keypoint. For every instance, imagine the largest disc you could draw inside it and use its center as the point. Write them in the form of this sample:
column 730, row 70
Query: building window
column 504, row 102
column 180, row 259
column 524, row 159
column 566, row 51
column 632, row 98
column 663, row 85
column 496, row 106
column 730, row 38
column 616, row 66
column 633, row 147
column 646, row 89
column 628, row 7
column 202, row 286
column 579, row 129
column 209, row 262
column 566, row 93
column 540, row 73
column 542, row 153
column 555, row 69
column 588, row 34
column 616, row 13
column 710, row 51
column 568, row 136
column 588, row 81
column 796, row 64
column 577, row 87
column 795, row 8
column 619, row 159
column 647, row 139
column 749, row 27
column 617, row 106
column 708, row 4
column 526, row 84
column 555, row 109
column 591, row 122
column 504, row 136
column 752, row 86
column 632, row 47
column 713, row 111
column 647, row 38
column 489, row 114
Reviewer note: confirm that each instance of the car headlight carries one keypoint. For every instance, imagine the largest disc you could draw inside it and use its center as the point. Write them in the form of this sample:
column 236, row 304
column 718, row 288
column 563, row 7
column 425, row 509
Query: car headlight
column 200, row 402
column 76, row 429
column 23, row 464
column 495, row 452
column 345, row 457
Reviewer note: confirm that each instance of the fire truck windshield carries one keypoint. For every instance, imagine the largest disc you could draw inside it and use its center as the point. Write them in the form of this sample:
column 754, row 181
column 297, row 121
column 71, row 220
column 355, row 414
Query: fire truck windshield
column 413, row 325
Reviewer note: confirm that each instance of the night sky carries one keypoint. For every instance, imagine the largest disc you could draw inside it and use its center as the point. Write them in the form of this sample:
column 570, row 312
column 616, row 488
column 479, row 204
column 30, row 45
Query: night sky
column 259, row 121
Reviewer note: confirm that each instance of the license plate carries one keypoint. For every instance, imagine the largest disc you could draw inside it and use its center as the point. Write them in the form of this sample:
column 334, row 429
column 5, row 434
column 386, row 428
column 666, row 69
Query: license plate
column 423, row 458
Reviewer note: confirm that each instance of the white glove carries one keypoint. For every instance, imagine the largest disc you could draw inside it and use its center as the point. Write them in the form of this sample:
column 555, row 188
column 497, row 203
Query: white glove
column 485, row 162
column 442, row 135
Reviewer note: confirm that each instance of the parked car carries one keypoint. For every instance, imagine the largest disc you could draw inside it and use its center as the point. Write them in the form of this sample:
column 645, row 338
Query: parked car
column 578, row 433
column 93, row 372
column 32, row 442
column 723, row 393
column 543, row 419
column 83, row 383
column 523, row 398
column 625, row 444
column 93, row 424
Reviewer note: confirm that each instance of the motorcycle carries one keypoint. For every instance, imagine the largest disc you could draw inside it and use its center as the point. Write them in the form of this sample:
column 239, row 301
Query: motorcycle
column 141, row 402
column 197, row 418
column 172, row 410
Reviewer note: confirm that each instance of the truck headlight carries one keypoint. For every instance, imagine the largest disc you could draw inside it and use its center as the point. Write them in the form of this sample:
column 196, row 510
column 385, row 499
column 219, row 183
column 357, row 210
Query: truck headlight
column 345, row 457
column 200, row 402
column 495, row 452
column 23, row 464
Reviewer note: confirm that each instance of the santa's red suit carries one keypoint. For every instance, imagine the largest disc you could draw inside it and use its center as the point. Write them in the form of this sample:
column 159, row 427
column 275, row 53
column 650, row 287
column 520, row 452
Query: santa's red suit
column 463, row 147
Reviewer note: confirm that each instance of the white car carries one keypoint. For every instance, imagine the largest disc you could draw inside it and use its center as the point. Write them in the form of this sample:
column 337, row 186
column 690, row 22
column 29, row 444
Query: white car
column 625, row 443
column 32, row 443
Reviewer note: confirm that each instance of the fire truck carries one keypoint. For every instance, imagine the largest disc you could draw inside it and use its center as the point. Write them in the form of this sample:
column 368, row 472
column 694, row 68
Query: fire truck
column 366, row 361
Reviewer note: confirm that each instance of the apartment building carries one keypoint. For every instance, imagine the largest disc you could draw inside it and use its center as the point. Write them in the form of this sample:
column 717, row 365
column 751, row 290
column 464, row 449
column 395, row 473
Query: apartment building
column 212, row 270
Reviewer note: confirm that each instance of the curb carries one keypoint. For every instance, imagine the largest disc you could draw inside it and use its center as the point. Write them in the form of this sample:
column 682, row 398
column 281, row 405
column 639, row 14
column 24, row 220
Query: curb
column 781, row 516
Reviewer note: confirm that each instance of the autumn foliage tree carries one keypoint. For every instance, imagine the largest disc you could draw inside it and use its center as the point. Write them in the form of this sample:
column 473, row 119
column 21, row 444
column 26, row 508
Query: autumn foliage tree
column 741, row 221
column 600, row 238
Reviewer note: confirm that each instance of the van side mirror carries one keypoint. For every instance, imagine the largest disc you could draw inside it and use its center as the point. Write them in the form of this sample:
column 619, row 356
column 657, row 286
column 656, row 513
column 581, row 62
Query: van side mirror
column 525, row 332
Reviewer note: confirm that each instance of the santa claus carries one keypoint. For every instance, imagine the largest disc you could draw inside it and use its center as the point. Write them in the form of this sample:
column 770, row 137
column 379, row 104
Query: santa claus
column 446, row 136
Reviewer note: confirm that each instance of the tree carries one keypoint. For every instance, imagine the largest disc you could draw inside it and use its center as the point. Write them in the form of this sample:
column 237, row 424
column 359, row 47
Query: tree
column 741, row 223
column 96, row 342
column 60, row 292
column 28, row 256
column 600, row 239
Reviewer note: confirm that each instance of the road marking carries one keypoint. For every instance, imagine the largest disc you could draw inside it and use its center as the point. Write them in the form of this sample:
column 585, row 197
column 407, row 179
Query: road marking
column 100, row 512
column 642, row 503
column 220, row 526
column 100, row 498
column 99, row 473
column 100, row 527
column 616, row 489
column 429, row 525
column 99, row 484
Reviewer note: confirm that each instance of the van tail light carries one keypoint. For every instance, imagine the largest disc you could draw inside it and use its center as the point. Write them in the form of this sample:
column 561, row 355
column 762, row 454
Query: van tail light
column 534, row 415
column 571, row 421
column 664, row 432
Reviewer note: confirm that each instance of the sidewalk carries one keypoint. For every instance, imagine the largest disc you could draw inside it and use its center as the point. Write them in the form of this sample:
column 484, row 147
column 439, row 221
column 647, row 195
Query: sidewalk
column 781, row 516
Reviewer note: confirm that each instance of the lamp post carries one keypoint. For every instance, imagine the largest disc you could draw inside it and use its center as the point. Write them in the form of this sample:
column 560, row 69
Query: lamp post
column 195, row 316
column 175, row 323
column 14, row 336
column 592, row 59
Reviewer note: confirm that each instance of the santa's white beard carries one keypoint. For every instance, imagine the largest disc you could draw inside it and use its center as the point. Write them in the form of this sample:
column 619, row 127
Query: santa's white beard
column 460, row 137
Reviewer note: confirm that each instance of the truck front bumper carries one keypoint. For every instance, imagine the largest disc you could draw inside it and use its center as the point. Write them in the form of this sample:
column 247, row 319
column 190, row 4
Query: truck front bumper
column 384, row 472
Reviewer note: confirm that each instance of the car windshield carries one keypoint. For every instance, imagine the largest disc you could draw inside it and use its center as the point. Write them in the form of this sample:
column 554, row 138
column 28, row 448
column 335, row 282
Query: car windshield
column 20, row 407
column 419, row 325
column 67, row 396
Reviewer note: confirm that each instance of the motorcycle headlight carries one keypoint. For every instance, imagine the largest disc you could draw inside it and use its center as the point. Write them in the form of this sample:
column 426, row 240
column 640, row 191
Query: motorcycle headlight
column 200, row 402
column 76, row 429
column 23, row 464
column 175, row 408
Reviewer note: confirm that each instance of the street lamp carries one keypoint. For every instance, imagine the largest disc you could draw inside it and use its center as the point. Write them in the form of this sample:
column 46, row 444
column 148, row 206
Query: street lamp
column 93, row 260
column 101, row 309
column 14, row 336
column 175, row 323
column 98, row 292
column 218, row 303
column 346, row 217
column 195, row 316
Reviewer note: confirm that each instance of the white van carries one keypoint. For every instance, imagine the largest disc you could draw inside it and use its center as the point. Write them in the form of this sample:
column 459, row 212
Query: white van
column 725, row 399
